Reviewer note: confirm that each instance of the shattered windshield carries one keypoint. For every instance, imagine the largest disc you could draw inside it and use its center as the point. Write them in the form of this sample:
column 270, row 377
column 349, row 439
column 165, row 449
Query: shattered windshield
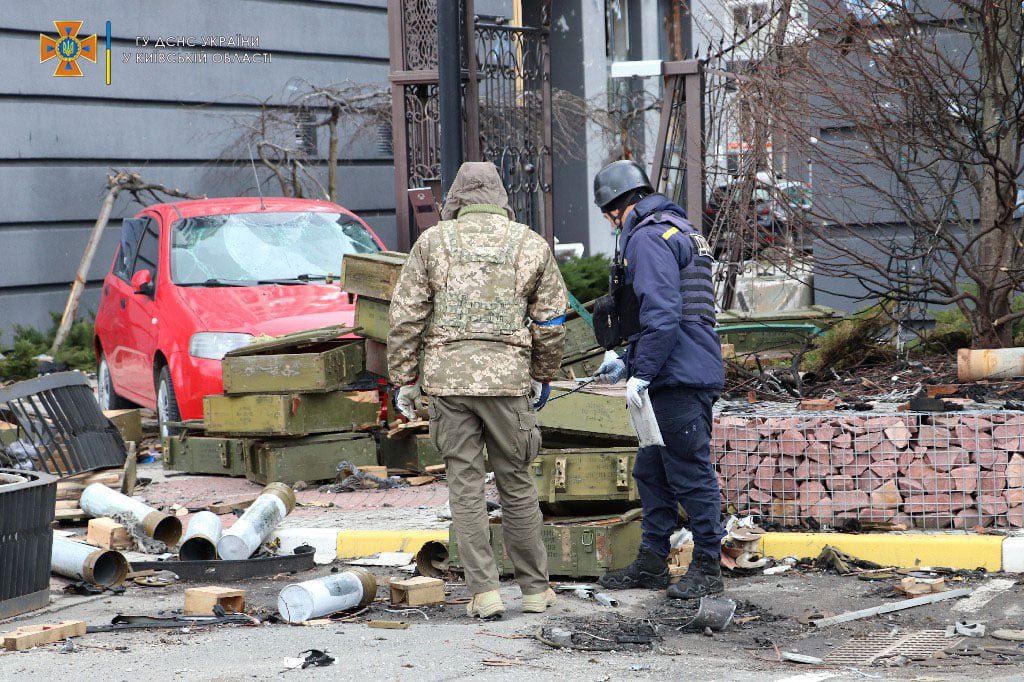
column 250, row 248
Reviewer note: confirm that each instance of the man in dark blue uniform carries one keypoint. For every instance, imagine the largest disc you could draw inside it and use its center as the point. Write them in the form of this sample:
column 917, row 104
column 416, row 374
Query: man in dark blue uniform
column 674, row 353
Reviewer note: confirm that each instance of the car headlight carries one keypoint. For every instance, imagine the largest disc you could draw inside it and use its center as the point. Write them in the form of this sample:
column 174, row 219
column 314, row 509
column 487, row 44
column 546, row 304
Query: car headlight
column 214, row 345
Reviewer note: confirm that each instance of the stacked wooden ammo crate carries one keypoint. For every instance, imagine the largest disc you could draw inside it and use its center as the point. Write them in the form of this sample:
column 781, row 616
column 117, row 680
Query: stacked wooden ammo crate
column 372, row 277
column 290, row 412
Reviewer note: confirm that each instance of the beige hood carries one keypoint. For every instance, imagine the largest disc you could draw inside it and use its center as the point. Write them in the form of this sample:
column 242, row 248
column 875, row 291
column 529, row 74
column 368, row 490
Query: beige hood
column 477, row 182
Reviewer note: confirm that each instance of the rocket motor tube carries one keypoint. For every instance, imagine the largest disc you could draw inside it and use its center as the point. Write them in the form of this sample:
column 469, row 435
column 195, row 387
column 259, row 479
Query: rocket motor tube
column 254, row 526
column 349, row 589
column 98, row 501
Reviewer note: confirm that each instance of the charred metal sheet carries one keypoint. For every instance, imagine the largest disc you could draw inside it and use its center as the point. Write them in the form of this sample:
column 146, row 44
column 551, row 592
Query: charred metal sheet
column 60, row 428
column 224, row 570
column 27, row 500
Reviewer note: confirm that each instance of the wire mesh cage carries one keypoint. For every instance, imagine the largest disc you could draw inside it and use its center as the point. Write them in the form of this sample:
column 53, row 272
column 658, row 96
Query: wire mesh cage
column 922, row 470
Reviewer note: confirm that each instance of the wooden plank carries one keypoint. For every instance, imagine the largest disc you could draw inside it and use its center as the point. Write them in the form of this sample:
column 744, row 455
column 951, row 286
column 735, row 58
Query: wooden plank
column 199, row 601
column 417, row 591
column 372, row 274
column 108, row 534
column 28, row 636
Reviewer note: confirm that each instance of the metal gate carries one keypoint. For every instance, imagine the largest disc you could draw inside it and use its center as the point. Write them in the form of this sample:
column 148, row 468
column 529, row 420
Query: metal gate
column 506, row 108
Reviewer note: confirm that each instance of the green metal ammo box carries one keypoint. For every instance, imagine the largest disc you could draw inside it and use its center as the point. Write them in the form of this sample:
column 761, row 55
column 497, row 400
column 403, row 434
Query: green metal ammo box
column 592, row 480
column 585, row 547
column 594, row 417
column 372, row 274
column 205, row 455
column 310, row 459
column 295, row 414
column 315, row 361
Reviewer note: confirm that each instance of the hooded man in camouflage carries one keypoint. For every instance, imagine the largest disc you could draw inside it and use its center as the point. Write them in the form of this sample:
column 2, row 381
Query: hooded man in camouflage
column 481, row 296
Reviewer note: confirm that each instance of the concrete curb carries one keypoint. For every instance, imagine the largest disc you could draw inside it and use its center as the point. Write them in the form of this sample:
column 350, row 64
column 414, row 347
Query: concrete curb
column 360, row 543
column 907, row 550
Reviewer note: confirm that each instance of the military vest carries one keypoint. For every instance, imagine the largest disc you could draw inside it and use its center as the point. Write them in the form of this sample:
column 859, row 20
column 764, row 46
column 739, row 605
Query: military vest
column 479, row 298
column 695, row 282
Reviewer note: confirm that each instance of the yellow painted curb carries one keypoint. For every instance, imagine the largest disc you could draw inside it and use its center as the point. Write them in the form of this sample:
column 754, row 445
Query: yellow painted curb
column 905, row 550
column 359, row 543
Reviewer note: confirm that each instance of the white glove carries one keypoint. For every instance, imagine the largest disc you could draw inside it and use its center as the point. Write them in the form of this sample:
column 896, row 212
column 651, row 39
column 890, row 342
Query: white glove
column 634, row 388
column 536, row 388
column 610, row 372
column 406, row 399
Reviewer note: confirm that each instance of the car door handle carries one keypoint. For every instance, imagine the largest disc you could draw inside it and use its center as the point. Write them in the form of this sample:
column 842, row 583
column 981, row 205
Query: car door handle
column 122, row 304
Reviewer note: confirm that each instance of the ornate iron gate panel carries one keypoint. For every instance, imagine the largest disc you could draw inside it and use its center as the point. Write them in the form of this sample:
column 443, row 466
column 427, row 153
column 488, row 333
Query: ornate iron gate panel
column 513, row 72
column 507, row 108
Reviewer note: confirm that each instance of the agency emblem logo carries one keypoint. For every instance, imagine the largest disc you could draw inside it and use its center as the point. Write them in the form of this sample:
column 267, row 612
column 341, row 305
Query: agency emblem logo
column 67, row 47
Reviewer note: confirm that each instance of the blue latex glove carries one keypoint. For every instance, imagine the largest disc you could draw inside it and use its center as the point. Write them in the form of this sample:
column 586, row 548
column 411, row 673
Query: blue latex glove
column 539, row 393
column 610, row 372
column 634, row 387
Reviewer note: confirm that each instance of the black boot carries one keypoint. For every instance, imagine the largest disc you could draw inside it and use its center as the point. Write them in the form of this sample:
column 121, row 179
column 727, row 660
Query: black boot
column 703, row 577
column 649, row 571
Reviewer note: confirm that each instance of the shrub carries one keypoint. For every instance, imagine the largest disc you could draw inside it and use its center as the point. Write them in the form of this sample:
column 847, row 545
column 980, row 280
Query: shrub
column 587, row 277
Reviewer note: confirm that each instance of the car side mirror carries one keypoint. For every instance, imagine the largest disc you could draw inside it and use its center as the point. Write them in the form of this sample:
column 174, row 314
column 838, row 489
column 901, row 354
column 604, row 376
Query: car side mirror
column 142, row 282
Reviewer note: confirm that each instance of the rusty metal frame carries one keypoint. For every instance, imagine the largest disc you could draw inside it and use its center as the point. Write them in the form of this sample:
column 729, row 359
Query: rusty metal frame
column 682, row 125
column 406, row 76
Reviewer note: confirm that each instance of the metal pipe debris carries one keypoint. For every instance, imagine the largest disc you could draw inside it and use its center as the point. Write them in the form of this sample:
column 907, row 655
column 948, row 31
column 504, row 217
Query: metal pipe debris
column 886, row 608
column 200, row 540
column 247, row 534
column 78, row 560
column 353, row 588
column 98, row 501
column 989, row 363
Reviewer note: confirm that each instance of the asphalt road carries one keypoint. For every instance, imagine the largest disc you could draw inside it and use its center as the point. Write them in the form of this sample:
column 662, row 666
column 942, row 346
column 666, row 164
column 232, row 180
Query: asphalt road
column 442, row 644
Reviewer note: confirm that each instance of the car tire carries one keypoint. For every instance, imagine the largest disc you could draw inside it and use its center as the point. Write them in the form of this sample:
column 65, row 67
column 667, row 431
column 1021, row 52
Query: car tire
column 166, row 404
column 105, row 395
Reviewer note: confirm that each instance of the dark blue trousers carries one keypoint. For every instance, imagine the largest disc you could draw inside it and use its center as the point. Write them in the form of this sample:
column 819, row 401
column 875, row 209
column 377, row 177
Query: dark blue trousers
column 680, row 472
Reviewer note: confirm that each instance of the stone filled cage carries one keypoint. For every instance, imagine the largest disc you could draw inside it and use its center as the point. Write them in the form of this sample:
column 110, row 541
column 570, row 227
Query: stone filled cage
column 924, row 470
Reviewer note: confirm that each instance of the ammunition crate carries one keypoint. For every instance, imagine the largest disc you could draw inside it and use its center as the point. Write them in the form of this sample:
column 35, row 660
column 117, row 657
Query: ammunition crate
column 592, row 417
column 413, row 453
column 577, row 548
column 205, row 455
column 372, row 316
column 598, row 478
column 310, row 459
column 372, row 274
column 309, row 362
column 295, row 414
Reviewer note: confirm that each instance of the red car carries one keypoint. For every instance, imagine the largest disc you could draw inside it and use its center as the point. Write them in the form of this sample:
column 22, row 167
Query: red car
column 195, row 279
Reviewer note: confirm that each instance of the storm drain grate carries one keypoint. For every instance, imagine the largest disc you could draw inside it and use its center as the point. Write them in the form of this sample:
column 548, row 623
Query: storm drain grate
column 868, row 649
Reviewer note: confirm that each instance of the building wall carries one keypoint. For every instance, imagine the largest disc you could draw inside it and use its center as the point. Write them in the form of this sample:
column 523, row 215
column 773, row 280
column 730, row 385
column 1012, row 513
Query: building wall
column 175, row 124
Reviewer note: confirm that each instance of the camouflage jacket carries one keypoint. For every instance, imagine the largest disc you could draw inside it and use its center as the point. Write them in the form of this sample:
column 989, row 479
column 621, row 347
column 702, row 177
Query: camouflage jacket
column 460, row 361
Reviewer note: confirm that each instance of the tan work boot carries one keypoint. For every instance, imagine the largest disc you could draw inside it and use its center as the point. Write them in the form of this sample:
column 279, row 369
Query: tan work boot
column 486, row 605
column 537, row 603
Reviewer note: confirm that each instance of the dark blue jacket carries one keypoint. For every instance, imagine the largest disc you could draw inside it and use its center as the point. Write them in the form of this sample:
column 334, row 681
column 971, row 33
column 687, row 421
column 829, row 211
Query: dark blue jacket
column 668, row 351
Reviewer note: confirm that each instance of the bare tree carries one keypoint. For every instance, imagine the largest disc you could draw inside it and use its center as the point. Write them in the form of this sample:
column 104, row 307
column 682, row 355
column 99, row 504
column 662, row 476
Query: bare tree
column 283, row 137
column 916, row 111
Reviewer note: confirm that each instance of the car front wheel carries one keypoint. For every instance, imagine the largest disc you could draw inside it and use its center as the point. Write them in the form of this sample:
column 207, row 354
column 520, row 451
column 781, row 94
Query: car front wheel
column 107, row 398
column 166, row 404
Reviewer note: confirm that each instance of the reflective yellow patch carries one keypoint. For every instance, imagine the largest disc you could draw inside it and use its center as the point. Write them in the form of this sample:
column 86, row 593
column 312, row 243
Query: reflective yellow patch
column 669, row 232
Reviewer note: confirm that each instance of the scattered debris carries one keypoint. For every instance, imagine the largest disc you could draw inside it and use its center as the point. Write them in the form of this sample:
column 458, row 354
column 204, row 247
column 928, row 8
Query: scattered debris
column 122, row 622
column 388, row 624
column 417, row 591
column 1009, row 635
column 28, row 636
column 886, row 608
column 587, row 591
column 841, row 563
column 793, row 657
column 108, row 534
column 349, row 589
column 969, row 629
column 257, row 523
column 389, row 559
column 351, row 478
column 915, row 587
column 224, row 570
column 80, row 561
column 201, row 601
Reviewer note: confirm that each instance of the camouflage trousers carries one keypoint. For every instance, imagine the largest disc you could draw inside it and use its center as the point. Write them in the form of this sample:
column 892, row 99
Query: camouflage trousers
column 460, row 427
